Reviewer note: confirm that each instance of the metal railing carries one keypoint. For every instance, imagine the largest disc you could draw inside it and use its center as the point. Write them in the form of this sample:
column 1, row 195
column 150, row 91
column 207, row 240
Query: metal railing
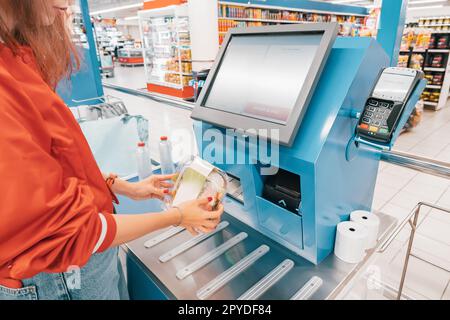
column 412, row 219
column 424, row 165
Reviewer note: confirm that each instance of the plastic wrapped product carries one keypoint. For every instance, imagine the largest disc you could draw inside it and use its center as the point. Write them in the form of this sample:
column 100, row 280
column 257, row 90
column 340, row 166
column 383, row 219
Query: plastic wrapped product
column 199, row 179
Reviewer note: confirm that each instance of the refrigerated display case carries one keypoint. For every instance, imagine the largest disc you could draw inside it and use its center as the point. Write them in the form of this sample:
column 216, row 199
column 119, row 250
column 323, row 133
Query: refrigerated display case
column 130, row 57
column 167, row 50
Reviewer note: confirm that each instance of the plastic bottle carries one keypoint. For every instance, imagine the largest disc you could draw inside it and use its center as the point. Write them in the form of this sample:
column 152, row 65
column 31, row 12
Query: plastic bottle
column 165, row 155
column 143, row 161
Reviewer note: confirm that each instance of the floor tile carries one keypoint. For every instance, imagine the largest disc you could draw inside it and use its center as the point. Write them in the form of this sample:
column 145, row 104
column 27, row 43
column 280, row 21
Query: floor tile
column 407, row 200
column 385, row 192
column 429, row 180
column 446, row 295
column 396, row 211
column 435, row 229
column 444, row 200
column 440, row 215
column 422, row 277
column 392, row 180
column 424, row 192
column 431, row 250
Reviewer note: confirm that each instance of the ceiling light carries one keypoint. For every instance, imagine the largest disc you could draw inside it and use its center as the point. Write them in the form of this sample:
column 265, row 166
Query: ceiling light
column 131, row 18
column 345, row 1
column 425, row 7
column 426, row 1
column 131, row 6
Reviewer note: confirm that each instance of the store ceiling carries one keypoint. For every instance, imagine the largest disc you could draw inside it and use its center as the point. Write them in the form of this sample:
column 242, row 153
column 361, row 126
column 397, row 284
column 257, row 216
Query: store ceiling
column 114, row 8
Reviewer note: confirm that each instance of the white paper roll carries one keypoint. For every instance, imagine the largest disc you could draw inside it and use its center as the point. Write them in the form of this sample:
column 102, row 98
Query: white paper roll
column 371, row 222
column 351, row 241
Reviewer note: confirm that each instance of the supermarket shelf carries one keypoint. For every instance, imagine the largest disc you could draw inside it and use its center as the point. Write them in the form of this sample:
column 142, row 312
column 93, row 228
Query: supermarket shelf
column 435, row 25
column 260, row 6
column 441, row 31
column 178, row 72
column 430, row 86
column 171, row 45
column 166, row 84
column 153, row 96
column 431, row 104
column 439, row 50
column 262, row 20
column 434, row 69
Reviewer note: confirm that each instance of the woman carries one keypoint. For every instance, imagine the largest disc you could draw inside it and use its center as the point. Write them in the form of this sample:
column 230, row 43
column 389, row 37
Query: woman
column 57, row 208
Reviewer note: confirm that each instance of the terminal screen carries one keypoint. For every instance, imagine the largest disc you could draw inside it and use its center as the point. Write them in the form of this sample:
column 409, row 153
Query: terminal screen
column 393, row 86
column 261, row 76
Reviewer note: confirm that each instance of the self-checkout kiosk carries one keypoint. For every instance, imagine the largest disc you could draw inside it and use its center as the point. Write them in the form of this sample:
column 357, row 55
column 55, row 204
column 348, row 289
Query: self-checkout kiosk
column 324, row 107
column 304, row 83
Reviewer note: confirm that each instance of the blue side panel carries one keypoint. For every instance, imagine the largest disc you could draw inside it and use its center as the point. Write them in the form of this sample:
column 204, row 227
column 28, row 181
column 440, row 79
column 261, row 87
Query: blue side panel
column 81, row 85
column 86, row 83
column 344, row 186
column 140, row 286
column 306, row 5
column 392, row 23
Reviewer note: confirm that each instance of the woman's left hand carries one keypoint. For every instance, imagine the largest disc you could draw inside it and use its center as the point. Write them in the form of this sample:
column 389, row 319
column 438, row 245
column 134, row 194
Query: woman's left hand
column 154, row 187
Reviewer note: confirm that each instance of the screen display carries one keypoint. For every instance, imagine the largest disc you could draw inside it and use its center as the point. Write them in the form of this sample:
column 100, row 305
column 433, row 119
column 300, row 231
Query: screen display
column 393, row 87
column 261, row 76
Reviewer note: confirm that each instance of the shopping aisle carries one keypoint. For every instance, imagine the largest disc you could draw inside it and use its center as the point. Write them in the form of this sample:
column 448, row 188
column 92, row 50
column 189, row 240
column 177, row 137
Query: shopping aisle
column 398, row 190
column 128, row 77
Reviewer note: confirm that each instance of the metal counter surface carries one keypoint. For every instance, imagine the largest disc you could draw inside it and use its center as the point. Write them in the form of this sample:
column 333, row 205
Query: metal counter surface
column 336, row 274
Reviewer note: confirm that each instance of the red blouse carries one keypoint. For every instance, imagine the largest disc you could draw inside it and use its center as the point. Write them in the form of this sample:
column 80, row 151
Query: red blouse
column 55, row 207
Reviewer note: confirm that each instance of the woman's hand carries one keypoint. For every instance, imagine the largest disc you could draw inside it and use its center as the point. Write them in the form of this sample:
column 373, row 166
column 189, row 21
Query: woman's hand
column 154, row 187
column 198, row 216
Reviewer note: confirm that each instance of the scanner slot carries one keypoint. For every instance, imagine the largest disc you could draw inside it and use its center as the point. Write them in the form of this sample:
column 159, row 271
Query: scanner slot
column 283, row 190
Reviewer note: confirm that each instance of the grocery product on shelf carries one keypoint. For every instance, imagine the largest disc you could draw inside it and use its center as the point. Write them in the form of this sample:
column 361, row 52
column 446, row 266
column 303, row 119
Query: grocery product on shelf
column 422, row 41
column 442, row 41
column 416, row 61
column 408, row 38
column 234, row 16
column 403, row 61
column 435, row 60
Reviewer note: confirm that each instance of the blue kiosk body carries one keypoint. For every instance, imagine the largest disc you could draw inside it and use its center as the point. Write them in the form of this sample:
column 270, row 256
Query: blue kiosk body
column 331, row 185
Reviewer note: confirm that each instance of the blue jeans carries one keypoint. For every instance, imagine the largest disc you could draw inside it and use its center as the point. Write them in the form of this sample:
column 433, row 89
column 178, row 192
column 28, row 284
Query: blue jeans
column 101, row 278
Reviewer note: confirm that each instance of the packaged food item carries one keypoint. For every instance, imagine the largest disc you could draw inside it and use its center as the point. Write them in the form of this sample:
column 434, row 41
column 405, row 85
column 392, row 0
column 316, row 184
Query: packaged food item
column 416, row 61
column 407, row 39
column 429, row 78
column 438, row 79
column 403, row 61
column 442, row 41
column 426, row 95
column 422, row 41
column 199, row 179
column 432, row 43
column 437, row 61
column 434, row 97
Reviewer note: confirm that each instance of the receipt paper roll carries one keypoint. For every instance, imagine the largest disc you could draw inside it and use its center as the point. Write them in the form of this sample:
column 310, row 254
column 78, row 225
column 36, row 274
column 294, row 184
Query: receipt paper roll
column 371, row 222
column 351, row 241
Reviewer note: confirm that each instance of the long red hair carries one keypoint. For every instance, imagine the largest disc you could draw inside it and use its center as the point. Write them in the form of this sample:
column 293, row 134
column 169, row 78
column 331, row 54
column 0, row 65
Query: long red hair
column 45, row 29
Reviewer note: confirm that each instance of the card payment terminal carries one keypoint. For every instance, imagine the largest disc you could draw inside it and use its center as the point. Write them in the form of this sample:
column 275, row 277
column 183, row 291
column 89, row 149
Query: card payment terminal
column 386, row 104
